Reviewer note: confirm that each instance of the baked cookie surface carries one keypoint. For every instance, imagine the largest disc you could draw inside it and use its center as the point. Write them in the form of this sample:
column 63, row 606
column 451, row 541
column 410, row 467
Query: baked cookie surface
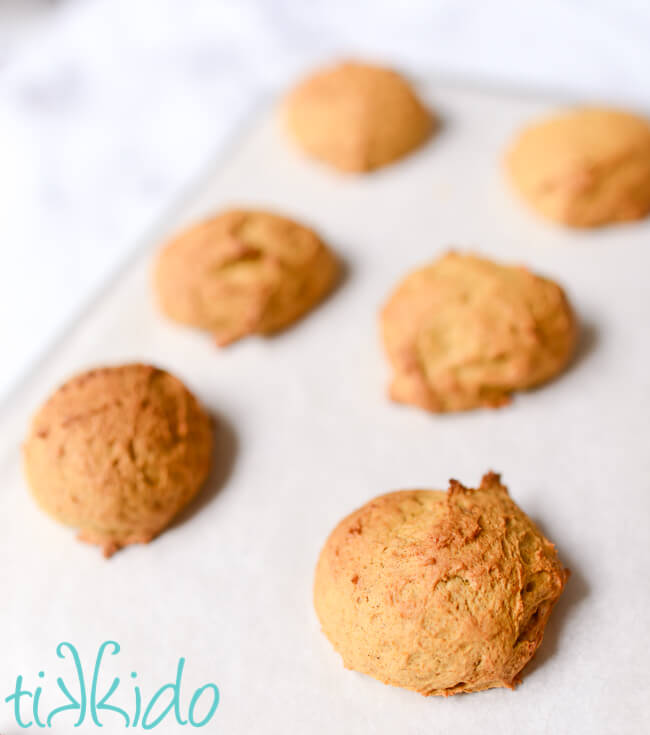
column 465, row 332
column 243, row 272
column 585, row 168
column 117, row 452
column 438, row 592
column 357, row 117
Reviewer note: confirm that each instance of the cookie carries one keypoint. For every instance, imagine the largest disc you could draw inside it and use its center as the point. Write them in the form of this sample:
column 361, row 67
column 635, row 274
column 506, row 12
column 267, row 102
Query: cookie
column 438, row 592
column 585, row 168
column 357, row 117
column 117, row 452
column 465, row 332
column 243, row 272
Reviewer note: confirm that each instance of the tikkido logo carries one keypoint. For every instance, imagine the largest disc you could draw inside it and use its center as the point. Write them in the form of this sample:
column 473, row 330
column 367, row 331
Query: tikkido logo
column 78, row 700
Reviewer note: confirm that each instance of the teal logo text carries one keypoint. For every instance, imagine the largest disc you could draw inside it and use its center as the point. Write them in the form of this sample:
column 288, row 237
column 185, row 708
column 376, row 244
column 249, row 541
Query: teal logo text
column 83, row 700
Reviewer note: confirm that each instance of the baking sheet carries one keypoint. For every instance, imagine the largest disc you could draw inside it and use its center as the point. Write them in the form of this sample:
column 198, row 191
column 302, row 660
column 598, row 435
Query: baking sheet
column 307, row 435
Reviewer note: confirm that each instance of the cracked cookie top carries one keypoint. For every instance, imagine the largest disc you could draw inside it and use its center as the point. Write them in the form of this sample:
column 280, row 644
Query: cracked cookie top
column 465, row 332
column 117, row 452
column 243, row 272
column 438, row 592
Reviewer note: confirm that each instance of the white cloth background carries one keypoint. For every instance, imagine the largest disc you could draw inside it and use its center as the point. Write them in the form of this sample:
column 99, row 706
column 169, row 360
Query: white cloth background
column 110, row 107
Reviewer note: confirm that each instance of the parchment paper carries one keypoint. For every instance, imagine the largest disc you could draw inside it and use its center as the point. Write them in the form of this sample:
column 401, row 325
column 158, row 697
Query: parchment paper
column 308, row 435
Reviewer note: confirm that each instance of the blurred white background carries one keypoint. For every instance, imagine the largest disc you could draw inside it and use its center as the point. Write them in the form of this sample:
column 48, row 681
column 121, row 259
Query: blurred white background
column 108, row 108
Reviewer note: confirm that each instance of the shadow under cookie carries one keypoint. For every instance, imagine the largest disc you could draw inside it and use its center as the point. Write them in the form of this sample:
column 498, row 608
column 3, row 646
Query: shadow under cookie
column 224, row 456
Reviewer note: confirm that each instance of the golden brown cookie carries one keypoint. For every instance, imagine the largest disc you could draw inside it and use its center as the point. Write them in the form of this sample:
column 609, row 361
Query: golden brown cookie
column 438, row 592
column 117, row 452
column 357, row 117
column 585, row 168
column 465, row 332
column 243, row 272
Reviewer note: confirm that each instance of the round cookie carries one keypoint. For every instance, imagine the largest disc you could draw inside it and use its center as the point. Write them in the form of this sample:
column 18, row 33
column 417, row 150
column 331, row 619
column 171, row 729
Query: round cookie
column 585, row 168
column 243, row 272
column 438, row 592
column 357, row 117
column 465, row 332
column 117, row 452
